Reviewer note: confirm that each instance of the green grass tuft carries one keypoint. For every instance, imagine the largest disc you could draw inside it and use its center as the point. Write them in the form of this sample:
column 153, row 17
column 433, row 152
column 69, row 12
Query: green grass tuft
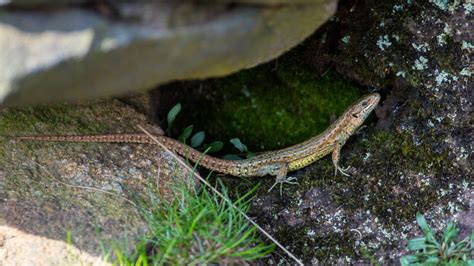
column 196, row 227
column 428, row 250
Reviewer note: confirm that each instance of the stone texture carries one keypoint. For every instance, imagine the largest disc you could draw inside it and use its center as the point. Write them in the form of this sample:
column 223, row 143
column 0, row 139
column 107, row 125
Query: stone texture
column 419, row 55
column 73, row 53
column 39, row 3
column 48, row 190
column 20, row 248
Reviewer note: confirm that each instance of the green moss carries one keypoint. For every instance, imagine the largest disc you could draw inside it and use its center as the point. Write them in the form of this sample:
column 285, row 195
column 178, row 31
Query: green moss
column 389, row 182
column 447, row 56
column 271, row 106
column 50, row 120
column 53, row 118
column 392, row 178
column 414, row 77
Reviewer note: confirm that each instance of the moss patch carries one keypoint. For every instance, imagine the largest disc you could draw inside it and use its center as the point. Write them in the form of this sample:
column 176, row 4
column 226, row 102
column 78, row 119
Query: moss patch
column 51, row 187
column 395, row 178
column 37, row 119
column 268, row 107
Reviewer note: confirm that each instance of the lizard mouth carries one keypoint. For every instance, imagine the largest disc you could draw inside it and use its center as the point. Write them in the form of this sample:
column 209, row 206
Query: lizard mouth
column 368, row 103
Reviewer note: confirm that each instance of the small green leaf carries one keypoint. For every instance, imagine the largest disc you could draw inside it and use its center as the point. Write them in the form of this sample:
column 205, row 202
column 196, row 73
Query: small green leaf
column 472, row 238
column 431, row 241
column 239, row 145
column 406, row 260
column 417, row 243
column 420, row 219
column 214, row 146
column 186, row 133
column 173, row 113
column 450, row 233
column 232, row 157
column 250, row 155
column 432, row 260
column 197, row 139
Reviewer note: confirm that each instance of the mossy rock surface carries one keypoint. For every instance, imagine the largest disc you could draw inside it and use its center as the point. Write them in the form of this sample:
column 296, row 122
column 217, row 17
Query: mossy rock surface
column 50, row 189
column 268, row 107
column 418, row 156
column 414, row 157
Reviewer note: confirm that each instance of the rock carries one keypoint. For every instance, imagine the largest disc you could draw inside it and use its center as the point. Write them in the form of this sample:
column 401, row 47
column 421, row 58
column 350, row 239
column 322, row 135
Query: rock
column 40, row 3
column 73, row 53
column 51, row 189
column 420, row 54
column 414, row 155
column 419, row 159
column 15, row 251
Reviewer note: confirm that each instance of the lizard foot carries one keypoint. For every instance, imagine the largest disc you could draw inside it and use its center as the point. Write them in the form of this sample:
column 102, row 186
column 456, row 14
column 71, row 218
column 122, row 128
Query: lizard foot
column 285, row 180
column 342, row 170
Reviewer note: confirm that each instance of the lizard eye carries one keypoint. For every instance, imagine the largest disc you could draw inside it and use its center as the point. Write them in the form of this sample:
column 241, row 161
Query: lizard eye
column 364, row 103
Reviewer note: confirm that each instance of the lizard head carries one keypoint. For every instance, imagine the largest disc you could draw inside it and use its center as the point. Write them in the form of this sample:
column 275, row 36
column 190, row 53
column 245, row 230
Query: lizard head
column 359, row 111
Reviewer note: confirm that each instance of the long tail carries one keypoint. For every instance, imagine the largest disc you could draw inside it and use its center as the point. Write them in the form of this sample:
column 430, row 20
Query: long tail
column 110, row 138
column 209, row 162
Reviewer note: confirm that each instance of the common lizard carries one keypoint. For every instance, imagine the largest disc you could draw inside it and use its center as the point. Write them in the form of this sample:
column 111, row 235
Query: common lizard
column 276, row 163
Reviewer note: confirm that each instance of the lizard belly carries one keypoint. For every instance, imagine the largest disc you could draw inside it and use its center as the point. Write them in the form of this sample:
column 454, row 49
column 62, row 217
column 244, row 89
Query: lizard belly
column 305, row 161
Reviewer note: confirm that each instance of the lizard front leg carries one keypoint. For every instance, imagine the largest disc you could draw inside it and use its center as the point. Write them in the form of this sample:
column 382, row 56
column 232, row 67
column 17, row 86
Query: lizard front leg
column 281, row 178
column 336, row 155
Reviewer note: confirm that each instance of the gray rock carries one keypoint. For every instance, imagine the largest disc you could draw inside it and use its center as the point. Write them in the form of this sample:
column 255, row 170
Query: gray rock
column 36, row 3
column 50, row 189
column 419, row 55
column 70, row 54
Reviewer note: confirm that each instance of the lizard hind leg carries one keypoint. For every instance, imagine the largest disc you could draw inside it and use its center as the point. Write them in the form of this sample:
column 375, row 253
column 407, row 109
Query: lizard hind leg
column 281, row 179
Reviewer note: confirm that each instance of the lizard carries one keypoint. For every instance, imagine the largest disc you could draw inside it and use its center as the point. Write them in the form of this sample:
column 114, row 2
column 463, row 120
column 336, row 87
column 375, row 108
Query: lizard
column 275, row 163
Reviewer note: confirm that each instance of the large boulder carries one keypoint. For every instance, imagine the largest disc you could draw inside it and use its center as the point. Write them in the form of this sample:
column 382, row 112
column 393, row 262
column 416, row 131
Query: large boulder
column 76, row 52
